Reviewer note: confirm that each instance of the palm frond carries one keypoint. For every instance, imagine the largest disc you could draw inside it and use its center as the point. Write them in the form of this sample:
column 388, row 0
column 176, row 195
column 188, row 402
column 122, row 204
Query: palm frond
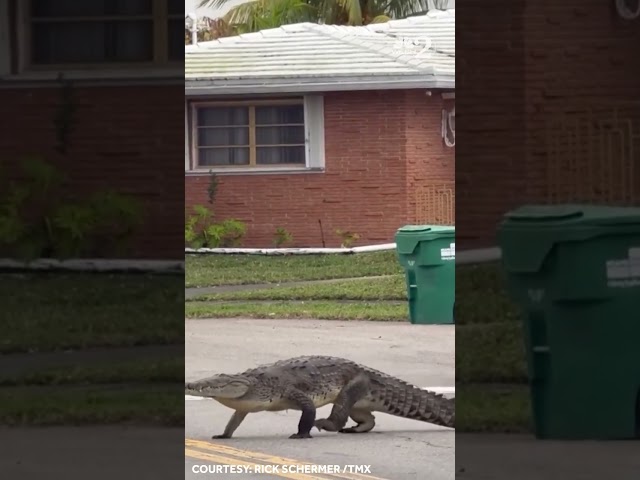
column 397, row 8
column 259, row 14
column 264, row 14
column 353, row 10
column 380, row 19
column 214, row 3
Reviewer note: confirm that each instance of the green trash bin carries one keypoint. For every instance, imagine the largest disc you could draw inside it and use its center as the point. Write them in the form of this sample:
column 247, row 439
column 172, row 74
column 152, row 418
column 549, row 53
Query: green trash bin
column 575, row 270
column 427, row 254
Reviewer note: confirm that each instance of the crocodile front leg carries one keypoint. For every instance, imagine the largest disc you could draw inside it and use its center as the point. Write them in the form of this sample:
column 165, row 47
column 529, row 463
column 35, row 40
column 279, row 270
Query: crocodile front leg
column 234, row 422
column 355, row 390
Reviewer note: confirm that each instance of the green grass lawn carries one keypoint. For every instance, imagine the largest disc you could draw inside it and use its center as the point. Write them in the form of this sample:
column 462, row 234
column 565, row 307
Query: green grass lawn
column 493, row 408
column 140, row 371
column 490, row 353
column 481, row 296
column 214, row 270
column 315, row 309
column 322, row 301
column 49, row 312
column 146, row 392
column 161, row 405
column 491, row 374
column 367, row 289
column 56, row 312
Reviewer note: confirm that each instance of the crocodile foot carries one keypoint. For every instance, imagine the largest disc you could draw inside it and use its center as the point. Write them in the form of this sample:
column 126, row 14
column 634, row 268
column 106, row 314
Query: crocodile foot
column 221, row 436
column 301, row 435
column 349, row 430
column 325, row 424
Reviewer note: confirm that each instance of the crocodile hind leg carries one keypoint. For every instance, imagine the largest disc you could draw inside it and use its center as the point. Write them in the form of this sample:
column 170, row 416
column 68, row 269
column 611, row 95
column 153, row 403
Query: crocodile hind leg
column 364, row 419
column 234, row 422
column 350, row 394
column 304, row 403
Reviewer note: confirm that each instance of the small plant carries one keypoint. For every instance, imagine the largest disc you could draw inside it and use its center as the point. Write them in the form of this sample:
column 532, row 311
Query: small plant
column 198, row 227
column 212, row 189
column 36, row 220
column 232, row 232
column 202, row 232
column 281, row 237
column 116, row 217
column 71, row 227
column 348, row 238
column 64, row 119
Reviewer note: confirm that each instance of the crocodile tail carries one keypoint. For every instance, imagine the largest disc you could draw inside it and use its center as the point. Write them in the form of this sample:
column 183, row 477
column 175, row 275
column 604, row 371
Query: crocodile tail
column 402, row 399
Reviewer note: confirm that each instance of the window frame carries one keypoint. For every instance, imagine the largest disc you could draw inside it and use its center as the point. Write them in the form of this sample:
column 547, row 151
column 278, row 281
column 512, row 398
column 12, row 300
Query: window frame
column 160, row 19
column 313, row 135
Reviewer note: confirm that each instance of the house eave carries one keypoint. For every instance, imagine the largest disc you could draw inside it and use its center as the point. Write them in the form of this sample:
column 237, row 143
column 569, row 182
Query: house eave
column 299, row 85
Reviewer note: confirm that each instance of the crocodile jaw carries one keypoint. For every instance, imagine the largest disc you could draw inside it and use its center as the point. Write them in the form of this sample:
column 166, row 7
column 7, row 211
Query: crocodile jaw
column 219, row 386
column 252, row 405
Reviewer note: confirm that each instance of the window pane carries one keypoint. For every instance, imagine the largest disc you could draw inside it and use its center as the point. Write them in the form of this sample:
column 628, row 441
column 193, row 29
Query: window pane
column 279, row 114
column 89, row 8
column 175, row 7
column 211, row 157
column 223, row 116
column 280, row 155
column 176, row 39
column 210, row 137
column 70, row 42
column 279, row 135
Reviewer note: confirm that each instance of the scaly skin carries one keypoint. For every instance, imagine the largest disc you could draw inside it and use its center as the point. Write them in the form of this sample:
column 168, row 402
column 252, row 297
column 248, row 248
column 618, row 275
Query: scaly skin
column 308, row 383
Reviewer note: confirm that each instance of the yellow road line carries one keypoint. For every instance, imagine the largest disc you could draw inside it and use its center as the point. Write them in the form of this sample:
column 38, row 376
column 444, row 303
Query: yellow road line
column 273, row 459
column 232, row 461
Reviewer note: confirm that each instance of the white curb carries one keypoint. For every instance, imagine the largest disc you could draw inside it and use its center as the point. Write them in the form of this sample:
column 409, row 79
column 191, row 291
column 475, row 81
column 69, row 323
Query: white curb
column 96, row 265
column 290, row 251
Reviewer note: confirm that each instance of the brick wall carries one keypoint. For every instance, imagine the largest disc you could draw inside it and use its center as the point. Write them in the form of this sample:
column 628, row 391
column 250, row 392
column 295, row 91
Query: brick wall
column 126, row 138
column 379, row 146
column 430, row 163
column 490, row 129
column 523, row 68
column 582, row 70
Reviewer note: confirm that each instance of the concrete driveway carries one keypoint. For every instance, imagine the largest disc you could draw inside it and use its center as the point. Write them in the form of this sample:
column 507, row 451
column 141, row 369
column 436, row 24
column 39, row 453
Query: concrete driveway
column 397, row 449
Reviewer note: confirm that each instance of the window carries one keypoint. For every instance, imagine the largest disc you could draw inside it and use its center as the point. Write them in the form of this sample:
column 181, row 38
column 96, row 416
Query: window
column 71, row 34
column 258, row 135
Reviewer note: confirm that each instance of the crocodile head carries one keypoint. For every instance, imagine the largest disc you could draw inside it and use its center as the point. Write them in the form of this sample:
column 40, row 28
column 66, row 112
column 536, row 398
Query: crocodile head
column 220, row 386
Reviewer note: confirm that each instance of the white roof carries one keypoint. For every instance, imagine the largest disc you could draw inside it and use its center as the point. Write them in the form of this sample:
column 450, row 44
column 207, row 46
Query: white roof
column 312, row 57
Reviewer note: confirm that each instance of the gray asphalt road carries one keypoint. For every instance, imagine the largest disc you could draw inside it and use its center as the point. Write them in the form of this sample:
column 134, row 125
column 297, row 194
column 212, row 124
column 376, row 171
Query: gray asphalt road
column 498, row 456
column 96, row 453
column 397, row 449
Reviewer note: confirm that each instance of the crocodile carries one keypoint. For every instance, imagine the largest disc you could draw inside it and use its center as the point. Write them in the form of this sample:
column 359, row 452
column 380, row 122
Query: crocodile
column 309, row 382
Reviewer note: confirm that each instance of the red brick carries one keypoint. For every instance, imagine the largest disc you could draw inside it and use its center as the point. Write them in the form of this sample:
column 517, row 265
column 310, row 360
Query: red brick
column 125, row 138
column 379, row 146
column 520, row 64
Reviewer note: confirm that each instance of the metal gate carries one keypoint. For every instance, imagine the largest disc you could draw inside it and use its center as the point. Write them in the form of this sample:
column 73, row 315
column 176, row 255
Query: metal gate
column 436, row 205
column 591, row 155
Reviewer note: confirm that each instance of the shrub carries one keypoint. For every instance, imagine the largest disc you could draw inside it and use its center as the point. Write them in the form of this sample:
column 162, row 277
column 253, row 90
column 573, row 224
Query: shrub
column 281, row 237
column 348, row 238
column 202, row 232
column 37, row 219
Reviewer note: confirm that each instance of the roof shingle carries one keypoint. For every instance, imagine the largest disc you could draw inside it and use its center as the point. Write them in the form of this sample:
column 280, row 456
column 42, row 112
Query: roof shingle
column 418, row 50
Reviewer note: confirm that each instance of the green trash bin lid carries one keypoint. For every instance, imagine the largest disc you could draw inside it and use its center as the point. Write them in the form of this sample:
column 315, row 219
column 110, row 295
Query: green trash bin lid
column 414, row 228
column 430, row 229
column 528, row 234
column 565, row 215
column 408, row 237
